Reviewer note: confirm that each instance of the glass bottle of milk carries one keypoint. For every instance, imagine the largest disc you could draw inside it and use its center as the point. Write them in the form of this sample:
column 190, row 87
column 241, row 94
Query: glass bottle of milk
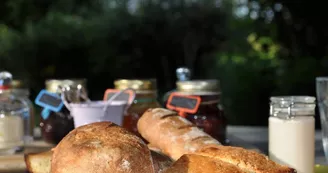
column 292, row 132
column 14, row 118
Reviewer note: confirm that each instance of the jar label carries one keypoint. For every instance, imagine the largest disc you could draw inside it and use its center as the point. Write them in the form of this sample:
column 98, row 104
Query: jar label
column 127, row 96
column 183, row 103
column 49, row 101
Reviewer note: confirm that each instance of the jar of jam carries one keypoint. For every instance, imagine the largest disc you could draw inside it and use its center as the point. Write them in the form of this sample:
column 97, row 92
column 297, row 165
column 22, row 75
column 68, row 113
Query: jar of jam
column 146, row 97
column 210, row 115
column 59, row 124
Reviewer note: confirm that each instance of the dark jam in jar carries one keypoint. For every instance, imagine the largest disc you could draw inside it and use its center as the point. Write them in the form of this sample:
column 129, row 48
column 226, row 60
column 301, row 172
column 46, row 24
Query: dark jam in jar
column 146, row 94
column 209, row 115
column 57, row 126
column 141, row 103
column 210, row 118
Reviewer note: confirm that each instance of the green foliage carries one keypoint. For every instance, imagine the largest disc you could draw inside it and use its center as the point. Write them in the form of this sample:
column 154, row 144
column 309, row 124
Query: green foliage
column 105, row 40
column 248, row 80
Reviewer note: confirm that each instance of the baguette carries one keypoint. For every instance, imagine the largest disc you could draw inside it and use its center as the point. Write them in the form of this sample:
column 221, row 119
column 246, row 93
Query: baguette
column 192, row 163
column 176, row 136
column 39, row 162
column 250, row 161
column 171, row 133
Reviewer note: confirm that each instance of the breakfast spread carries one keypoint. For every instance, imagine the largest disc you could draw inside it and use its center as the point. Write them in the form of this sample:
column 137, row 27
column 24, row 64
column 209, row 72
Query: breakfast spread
column 104, row 147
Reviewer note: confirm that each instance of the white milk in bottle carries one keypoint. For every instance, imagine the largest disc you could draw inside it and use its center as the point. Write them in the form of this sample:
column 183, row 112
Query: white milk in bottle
column 292, row 132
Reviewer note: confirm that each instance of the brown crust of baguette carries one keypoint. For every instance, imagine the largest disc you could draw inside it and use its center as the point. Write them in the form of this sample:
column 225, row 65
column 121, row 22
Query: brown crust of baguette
column 192, row 163
column 247, row 160
column 101, row 147
column 34, row 161
column 171, row 133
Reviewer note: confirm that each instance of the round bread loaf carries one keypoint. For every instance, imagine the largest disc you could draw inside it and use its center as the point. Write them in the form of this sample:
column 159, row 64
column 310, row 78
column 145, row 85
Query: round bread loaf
column 161, row 162
column 101, row 148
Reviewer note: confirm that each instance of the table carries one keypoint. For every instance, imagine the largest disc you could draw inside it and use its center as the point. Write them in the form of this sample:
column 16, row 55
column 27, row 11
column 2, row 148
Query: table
column 254, row 138
column 15, row 163
column 257, row 137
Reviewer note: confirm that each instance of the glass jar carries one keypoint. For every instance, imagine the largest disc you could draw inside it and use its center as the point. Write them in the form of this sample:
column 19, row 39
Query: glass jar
column 210, row 115
column 20, row 90
column 59, row 124
column 292, row 132
column 14, row 118
column 146, row 97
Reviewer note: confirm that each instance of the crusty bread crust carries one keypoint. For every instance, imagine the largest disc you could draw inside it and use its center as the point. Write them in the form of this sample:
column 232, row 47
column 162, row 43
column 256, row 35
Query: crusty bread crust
column 161, row 162
column 248, row 160
column 171, row 133
column 101, row 147
column 38, row 162
column 192, row 163
column 41, row 162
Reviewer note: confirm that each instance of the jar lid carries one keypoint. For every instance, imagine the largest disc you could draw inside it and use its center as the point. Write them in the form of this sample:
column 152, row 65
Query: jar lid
column 5, row 79
column 286, row 100
column 198, row 86
column 136, row 84
column 19, row 88
column 53, row 84
column 18, row 84
column 292, row 105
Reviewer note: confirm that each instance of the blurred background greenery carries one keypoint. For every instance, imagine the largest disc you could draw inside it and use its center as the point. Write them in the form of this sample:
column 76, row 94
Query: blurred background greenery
column 257, row 48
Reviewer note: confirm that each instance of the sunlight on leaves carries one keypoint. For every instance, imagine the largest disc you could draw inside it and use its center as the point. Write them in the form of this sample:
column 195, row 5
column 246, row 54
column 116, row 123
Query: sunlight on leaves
column 237, row 59
column 251, row 38
column 263, row 46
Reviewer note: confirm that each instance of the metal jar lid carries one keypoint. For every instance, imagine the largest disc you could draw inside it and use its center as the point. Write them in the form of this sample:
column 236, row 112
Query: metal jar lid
column 291, row 106
column 52, row 85
column 18, row 84
column 136, row 84
column 198, row 86
column 19, row 87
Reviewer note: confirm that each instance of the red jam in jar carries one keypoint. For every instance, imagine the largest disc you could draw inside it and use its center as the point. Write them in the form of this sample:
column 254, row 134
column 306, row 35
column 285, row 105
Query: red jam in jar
column 210, row 115
column 146, row 95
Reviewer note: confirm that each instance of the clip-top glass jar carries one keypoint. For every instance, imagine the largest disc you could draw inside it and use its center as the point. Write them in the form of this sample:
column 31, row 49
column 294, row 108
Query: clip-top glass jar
column 292, row 132
column 210, row 115
column 20, row 90
column 59, row 124
column 146, row 97
column 14, row 118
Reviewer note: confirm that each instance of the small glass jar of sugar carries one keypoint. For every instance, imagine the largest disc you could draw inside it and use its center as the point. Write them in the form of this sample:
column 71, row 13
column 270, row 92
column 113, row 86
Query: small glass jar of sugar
column 292, row 132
